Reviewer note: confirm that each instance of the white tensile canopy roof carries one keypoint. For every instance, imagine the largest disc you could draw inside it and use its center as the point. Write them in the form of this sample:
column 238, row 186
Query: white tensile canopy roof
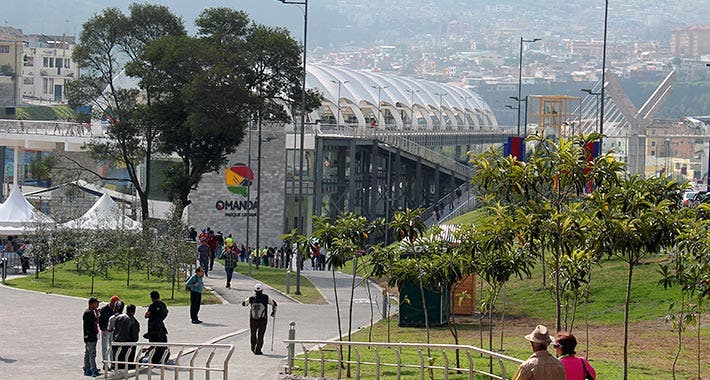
column 103, row 215
column 18, row 216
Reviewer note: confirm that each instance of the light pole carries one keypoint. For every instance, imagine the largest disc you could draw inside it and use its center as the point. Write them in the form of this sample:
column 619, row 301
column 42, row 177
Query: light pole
column 596, row 110
column 411, row 106
column 301, row 230
column 441, row 95
column 520, row 75
column 601, row 114
column 379, row 103
column 339, row 83
column 524, row 100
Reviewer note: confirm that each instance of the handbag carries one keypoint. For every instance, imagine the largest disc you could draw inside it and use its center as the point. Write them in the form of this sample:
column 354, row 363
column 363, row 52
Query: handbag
column 587, row 375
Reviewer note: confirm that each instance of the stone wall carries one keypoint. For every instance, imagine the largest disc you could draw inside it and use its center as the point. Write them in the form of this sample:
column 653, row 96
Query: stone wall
column 214, row 205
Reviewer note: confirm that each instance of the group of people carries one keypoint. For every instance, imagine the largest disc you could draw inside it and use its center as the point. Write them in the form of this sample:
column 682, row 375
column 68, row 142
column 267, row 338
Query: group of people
column 110, row 324
column 13, row 244
column 542, row 365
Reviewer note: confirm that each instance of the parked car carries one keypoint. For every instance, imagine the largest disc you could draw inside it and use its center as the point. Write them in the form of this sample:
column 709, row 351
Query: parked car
column 700, row 197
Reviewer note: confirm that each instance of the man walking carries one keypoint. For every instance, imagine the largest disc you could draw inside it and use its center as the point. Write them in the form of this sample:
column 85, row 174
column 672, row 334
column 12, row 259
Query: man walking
column 91, row 332
column 104, row 314
column 203, row 256
column 156, row 314
column 541, row 365
column 196, row 286
column 126, row 329
column 230, row 261
column 258, row 316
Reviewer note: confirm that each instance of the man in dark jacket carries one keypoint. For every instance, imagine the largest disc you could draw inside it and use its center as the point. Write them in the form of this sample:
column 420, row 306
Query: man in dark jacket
column 156, row 314
column 203, row 256
column 91, row 332
column 258, row 317
column 127, row 330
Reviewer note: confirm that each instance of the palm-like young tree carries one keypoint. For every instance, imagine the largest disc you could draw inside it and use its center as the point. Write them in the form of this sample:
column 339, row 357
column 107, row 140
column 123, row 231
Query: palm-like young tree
column 407, row 224
column 638, row 218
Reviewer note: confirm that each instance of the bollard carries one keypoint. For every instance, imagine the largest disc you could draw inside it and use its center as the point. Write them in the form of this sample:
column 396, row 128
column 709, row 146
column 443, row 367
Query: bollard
column 288, row 280
column 385, row 300
column 4, row 268
column 291, row 346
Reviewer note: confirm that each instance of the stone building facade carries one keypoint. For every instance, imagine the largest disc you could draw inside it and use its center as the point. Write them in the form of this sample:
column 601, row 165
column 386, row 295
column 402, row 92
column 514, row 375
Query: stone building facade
column 230, row 211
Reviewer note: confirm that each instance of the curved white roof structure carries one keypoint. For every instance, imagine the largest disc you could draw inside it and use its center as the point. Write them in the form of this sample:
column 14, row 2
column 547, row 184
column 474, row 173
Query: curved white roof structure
column 389, row 101
column 385, row 101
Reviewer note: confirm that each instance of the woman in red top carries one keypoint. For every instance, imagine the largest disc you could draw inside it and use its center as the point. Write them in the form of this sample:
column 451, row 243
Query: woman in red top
column 576, row 367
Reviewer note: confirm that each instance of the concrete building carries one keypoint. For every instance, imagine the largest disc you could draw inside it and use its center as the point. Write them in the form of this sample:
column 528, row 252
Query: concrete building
column 11, row 53
column 692, row 41
column 48, row 67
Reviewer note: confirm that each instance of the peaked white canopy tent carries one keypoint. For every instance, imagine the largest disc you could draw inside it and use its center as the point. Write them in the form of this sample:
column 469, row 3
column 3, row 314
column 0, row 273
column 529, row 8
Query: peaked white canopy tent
column 105, row 214
column 18, row 216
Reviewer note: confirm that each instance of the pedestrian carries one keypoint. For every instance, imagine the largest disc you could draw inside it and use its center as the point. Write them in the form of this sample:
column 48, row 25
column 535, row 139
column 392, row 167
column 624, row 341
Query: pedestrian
column 258, row 316
column 196, row 286
column 104, row 314
column 212, row 243
column 540, row 365
column 118, row 310
column 192, row 234
column 230, row 261
column 243, row 254
column 203, row 255
column 576, row 367
column 127, row 328
column 156, row 314
column 91, row 333
column 220, row 245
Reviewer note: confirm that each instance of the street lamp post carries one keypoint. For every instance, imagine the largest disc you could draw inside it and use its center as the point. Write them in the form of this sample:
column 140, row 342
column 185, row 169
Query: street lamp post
column 411, row 106
column 596, row 110
column 339, row 83
column 379, row 103
column 524, row 100
column 441, row 95
column 301, row 230
column 520, row 75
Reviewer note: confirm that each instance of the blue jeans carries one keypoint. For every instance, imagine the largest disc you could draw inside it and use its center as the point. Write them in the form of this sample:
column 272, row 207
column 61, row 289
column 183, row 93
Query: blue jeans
column 90, row 356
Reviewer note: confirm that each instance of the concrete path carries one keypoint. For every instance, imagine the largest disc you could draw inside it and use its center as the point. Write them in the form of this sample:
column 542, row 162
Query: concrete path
column 40, row 334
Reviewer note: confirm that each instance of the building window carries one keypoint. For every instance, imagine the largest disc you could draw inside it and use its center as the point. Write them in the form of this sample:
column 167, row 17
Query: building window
column 45, row 84
column 5, row 49
column 45, row 62
column 653, row 143
column 51, row 62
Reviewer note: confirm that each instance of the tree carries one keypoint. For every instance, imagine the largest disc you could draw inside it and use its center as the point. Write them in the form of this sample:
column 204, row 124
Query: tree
column 211, row 87
column 107, row 41
column 633, row 220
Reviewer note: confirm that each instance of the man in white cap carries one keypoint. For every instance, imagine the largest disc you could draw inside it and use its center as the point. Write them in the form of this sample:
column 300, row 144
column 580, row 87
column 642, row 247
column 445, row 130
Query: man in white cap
column 258, row 316
column 541, row 365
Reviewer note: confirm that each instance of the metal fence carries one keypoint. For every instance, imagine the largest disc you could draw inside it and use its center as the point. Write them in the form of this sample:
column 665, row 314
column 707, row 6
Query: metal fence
column 388, row 357
column 151, row 360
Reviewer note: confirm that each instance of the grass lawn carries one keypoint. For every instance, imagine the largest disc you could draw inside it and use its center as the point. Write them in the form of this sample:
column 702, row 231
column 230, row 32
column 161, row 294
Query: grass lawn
column 69, row 282
column 474, row 217
column 276, row 278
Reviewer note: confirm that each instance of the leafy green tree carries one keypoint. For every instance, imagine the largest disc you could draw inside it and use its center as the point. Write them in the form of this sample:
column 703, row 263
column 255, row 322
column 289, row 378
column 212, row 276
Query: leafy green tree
column 211, row 87
column 108, row 41
column 637, row 218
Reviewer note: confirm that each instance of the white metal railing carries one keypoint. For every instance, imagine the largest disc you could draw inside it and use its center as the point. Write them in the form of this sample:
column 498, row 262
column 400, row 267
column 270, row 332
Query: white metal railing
column 423, row 366
column 198, row 358
column 467, row 205
column 52, row 128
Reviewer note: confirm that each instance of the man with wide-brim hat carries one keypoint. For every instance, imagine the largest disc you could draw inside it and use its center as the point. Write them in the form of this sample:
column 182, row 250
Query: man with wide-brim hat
column 541, row 365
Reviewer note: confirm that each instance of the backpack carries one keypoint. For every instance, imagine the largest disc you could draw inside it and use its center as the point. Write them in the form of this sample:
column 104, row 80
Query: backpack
column 258, row 310
column 188, row 283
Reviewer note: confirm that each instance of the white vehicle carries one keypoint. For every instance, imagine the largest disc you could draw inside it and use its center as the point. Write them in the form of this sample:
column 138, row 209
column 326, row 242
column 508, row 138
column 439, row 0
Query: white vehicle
column 688, row 197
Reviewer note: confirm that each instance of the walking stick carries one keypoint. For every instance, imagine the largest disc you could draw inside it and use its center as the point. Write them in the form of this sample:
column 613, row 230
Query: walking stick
column 273, row 328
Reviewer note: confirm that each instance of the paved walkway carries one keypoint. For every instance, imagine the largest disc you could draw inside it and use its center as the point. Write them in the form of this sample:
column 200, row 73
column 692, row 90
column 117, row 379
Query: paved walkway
column 40, row 334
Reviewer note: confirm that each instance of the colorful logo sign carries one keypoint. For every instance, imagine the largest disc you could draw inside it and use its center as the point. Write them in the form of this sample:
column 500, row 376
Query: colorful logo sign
column 238, row 179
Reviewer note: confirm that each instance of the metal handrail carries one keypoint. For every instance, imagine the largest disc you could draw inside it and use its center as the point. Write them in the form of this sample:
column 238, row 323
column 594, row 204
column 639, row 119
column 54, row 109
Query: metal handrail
column 52, row 128
column 423, row 365
column 187, row 350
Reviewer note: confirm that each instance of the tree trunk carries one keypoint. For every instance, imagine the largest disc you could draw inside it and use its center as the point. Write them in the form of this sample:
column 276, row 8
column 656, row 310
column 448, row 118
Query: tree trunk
column 626, row 322
column 697, row 337
column 337, row 311
column 558, row 310
column 680, row 332
column 350, row 312
column 372, row 311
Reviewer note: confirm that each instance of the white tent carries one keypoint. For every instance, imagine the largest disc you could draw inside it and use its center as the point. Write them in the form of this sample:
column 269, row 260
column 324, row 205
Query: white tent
column 18, row 216
column 103, row 215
